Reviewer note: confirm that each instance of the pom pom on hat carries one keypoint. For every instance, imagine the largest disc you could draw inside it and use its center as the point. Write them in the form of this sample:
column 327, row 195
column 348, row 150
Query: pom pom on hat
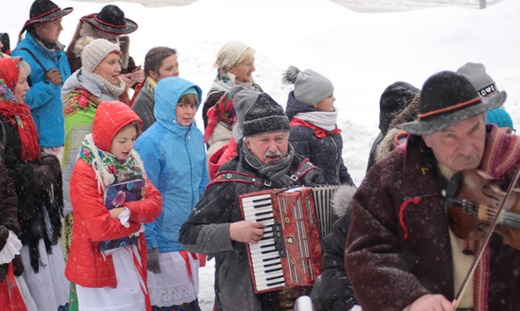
column 310, row 87
column 257, row 112
column 481, row 81
column 230, row 54
column 94, row 51
column 499, row 117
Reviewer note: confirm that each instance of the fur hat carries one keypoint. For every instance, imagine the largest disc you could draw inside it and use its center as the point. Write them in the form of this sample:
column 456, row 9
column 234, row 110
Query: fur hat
column 476, row 74
column 111, row 19
column 43, row 11
column 257, row 112
column 230, row 54
column 500, row 117
column 310, row 87
column 93, row 51
column 342, row 199
column 447, row 99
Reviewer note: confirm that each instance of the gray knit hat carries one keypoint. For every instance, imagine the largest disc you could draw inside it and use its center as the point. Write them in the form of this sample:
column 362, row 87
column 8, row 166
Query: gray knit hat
column 257, row 112
column 310, row 87
column 476, row 74
column 95, row 51
column 241, row 98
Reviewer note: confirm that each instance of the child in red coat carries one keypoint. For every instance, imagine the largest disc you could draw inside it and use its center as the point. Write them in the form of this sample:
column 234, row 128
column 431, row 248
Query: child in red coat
column 111, row 277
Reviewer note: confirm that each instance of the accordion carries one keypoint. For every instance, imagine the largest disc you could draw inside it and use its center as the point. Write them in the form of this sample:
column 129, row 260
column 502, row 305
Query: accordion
column 289, row 253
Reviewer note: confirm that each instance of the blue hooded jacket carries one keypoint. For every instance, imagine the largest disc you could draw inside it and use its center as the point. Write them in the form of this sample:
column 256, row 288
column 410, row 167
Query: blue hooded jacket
column 174, row 158
column 44, row 97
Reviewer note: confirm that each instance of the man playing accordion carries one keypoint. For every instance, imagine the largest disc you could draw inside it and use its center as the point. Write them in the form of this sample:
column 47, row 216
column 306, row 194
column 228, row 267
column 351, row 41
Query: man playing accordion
column 265, row 160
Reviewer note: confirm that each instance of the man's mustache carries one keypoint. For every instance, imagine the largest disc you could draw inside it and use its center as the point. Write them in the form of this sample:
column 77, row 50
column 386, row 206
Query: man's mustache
column 271, row 154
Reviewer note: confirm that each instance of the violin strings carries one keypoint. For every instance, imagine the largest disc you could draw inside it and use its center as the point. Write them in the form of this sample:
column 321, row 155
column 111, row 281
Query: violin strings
column 507, row 217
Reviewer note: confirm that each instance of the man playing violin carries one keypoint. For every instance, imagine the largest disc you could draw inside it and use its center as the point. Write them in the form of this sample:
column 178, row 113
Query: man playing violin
column 401, row 253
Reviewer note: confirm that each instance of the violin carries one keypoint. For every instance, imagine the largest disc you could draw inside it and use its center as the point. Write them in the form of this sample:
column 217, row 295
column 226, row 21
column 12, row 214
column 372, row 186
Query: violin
column 477, row 207
column 474, row 201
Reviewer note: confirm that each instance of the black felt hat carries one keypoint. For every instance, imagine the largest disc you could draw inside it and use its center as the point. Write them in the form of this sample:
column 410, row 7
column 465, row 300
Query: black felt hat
column 43, row 11
column 111, row 19
column 447, row 99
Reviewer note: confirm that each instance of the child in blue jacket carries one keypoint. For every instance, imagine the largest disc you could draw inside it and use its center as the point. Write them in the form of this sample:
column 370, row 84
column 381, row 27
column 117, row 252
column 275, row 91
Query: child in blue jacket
column 173, row 153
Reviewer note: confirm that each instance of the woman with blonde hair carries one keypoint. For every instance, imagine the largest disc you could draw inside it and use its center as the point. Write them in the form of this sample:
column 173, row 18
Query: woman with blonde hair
column 97, row 81
column 235, row 65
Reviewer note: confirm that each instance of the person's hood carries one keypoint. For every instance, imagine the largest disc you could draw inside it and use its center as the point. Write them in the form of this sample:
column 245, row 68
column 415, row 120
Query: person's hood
column 81, row 79
column 295, row 106
column 395, row 98
column 167, row 94
column 110, row 118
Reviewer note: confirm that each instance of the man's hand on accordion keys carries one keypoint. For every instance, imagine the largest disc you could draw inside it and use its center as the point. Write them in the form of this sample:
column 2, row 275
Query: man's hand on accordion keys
column 246, row 231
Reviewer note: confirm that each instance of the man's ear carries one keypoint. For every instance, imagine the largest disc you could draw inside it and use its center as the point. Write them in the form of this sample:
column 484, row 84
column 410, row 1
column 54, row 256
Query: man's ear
column 247, row 142
column 427, row 140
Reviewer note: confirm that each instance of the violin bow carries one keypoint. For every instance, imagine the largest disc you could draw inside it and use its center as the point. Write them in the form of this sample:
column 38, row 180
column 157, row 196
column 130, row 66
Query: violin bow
column 485, row 241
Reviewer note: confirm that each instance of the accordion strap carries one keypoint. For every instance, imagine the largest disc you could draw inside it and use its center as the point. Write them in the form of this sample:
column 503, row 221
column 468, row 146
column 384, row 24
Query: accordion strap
column 234, row 176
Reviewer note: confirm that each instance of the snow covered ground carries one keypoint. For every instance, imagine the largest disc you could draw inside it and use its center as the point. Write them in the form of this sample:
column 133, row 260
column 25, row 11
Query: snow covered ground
column 362, row 53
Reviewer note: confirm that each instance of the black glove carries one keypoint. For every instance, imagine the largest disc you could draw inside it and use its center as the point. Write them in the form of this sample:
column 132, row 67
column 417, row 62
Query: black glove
column 18, row 265
column 46, row 173
column 53, row 164
column 153, row 261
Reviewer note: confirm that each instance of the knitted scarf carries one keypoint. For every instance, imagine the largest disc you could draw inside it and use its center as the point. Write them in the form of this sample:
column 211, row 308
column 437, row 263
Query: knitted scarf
column 107, row 167
column 115, row 90
column 322, row 119
column 19, row 115
column 275, row 171
column 224, row 81
column 223, row 111
column 318, row 131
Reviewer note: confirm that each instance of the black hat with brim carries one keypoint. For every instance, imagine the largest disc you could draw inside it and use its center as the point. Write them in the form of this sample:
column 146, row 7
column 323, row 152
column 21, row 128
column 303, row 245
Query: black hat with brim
column 43, row 11
column 447, row 99
column 111, row 19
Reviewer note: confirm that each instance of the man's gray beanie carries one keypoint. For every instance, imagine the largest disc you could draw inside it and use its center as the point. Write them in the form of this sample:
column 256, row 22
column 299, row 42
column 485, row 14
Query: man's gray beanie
column 476, row 74
column 310, row 87
column 257, row 112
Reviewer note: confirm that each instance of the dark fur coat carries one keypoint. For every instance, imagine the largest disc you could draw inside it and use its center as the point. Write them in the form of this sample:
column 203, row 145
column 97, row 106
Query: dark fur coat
column 38, row 187
column 8, row 214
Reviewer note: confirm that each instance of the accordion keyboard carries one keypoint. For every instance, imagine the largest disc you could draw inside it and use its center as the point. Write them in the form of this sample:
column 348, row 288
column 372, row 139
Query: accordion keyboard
column 265, row 255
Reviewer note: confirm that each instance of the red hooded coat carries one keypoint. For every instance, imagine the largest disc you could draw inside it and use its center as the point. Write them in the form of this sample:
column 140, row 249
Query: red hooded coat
column 86, row 265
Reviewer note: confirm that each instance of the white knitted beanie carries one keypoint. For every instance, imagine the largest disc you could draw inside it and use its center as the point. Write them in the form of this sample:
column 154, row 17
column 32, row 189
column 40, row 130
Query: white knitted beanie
column 230, row 54
column 95, row 51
